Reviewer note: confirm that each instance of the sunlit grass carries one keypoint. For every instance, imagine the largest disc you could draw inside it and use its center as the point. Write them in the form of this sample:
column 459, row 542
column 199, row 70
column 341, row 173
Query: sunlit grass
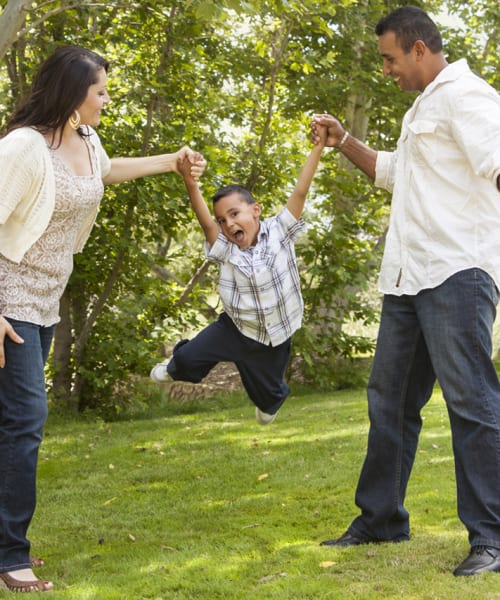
column 199, row 502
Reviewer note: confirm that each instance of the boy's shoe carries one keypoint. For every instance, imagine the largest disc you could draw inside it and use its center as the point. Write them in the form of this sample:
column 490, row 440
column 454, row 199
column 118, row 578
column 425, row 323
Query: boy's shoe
column 159, row 372
column 264, row 418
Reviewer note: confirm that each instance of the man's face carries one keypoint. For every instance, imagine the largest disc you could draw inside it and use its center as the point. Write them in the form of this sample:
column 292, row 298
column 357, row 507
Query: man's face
column 403, row 68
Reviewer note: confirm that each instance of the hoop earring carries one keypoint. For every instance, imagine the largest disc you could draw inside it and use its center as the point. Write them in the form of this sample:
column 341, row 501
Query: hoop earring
column 75, row 120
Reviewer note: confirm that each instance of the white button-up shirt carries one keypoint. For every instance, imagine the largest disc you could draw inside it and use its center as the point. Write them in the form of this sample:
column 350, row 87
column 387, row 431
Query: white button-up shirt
column 260, row 287
column 445, row 214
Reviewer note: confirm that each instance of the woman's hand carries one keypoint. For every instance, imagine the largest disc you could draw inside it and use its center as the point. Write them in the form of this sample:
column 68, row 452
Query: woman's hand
column 6, row 329
column 198, row 163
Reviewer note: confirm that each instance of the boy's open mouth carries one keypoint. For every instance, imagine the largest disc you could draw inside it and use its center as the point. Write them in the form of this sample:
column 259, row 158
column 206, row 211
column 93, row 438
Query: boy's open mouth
column 238, row 235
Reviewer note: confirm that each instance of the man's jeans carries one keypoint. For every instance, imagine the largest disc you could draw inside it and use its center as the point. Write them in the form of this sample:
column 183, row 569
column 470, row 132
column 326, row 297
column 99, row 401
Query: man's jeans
column 23, row 411
column 444, row 332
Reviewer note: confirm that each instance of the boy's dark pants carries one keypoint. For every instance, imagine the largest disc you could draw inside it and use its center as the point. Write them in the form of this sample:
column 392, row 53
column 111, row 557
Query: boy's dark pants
column 261, row 367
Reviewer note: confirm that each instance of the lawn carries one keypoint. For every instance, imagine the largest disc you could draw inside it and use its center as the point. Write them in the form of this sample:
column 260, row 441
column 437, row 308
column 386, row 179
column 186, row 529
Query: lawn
column 196, row 501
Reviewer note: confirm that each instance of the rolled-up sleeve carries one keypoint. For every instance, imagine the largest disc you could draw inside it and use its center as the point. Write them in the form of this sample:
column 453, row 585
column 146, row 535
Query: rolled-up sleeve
column 291, row 227
column 219, row 250
column 385, row 169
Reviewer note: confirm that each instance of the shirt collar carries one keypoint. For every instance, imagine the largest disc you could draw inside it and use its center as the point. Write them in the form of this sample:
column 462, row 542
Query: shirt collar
column 450, row 73
column 263, row 231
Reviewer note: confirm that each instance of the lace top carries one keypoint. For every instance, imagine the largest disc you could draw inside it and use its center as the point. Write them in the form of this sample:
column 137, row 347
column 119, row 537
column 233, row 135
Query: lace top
column 31, row 290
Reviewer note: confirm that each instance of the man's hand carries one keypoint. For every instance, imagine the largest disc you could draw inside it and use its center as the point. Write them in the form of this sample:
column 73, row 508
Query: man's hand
column 335, row 131
column 6, row 329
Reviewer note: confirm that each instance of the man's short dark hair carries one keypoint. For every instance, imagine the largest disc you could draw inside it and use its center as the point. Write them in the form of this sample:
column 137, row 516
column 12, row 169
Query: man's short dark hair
column 234, row 188
column 410, row 24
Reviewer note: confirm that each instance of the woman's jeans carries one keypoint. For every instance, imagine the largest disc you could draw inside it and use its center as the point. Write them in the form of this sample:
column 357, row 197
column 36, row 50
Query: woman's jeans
column 23, row 411
column 446, row 333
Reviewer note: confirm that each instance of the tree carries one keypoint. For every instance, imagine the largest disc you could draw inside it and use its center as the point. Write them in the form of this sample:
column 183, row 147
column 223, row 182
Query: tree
column 239, row 81
column 11, row 21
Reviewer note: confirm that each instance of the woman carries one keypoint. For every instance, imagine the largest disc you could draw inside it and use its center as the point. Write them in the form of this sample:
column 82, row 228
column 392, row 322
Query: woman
column 53, row 173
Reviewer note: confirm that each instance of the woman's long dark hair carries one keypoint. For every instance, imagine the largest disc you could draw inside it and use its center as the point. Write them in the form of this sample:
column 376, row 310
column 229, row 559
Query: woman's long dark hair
column 59, row 87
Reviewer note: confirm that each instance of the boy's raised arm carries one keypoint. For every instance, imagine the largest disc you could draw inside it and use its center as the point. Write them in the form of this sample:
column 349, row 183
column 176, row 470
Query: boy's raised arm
column 297, row 199
column 201, row 210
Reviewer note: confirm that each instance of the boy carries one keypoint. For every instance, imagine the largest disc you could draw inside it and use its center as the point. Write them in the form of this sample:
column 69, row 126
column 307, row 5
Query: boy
column 259, row 287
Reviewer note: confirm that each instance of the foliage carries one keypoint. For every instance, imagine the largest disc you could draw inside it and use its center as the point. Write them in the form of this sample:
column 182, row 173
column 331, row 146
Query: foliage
column 239, row 81
column 198, row 501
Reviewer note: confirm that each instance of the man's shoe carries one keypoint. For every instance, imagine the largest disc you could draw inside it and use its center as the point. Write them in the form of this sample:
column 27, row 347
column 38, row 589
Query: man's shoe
column 159, row 372
column 482, row 559
column 351, row 539
column 348, row 539
column 264, row 418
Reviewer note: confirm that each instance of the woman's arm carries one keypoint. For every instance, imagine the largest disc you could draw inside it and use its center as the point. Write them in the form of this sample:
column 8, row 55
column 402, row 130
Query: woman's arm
column 127, row 168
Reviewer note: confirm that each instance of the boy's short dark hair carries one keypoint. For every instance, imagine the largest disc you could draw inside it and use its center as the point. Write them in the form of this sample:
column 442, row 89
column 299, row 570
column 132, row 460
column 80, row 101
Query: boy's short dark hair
column 234, row 188
column 410, row 24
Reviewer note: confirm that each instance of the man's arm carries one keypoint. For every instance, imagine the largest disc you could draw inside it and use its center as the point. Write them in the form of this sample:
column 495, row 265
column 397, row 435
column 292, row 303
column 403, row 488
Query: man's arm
column 361, row 155
column 200, row 208
column 297, row 198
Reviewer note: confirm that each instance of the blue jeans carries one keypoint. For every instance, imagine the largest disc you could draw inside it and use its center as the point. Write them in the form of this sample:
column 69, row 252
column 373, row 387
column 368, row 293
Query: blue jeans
column 23, row 412
column 446, row 333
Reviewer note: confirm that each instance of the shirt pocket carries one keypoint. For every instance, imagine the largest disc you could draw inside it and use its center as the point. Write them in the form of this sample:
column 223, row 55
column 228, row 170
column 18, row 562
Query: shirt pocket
column 422, row 141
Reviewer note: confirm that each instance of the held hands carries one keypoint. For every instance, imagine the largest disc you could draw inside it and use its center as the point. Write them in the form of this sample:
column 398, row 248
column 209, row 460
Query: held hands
column 189, row 162
column 6, row 329
column 334, row 134
column 188, row 169
column 320, row 134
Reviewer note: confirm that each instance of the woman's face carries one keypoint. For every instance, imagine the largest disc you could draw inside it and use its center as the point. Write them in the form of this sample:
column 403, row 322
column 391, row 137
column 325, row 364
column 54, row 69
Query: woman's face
column 97, row 98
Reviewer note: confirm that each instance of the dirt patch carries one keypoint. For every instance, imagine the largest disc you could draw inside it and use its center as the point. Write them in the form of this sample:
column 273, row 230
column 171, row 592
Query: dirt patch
column 224, row 377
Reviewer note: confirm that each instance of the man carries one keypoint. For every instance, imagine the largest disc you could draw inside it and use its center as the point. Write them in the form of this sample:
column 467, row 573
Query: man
column 440, row 277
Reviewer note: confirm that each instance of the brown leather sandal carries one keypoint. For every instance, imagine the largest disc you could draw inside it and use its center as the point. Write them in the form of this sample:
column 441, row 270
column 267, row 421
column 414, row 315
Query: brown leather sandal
column 15, row 585
column 36, row 561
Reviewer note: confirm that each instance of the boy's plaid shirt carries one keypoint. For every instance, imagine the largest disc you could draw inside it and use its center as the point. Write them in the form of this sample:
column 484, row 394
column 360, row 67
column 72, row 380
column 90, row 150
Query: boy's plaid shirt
column 260, row 287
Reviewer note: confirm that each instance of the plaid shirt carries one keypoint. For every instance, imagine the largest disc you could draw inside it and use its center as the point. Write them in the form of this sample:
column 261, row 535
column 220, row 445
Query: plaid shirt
column 260, row 287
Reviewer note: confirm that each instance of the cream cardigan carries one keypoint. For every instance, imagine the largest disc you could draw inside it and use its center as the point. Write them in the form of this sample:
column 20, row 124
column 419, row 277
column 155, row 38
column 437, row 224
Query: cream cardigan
column 27, row 191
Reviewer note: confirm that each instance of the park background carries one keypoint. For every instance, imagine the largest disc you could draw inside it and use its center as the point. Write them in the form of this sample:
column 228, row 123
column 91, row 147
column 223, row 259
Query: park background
column 238, row 81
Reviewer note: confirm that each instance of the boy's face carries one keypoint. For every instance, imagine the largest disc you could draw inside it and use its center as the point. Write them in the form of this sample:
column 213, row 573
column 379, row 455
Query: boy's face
column 238, row 220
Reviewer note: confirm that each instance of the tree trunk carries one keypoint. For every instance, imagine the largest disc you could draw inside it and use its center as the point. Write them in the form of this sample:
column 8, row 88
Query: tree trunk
column 61, row 353
column 91, row 318
column 11, row 21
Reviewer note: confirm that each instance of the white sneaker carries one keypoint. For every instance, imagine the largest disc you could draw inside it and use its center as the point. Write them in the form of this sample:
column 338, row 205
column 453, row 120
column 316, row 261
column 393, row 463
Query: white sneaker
column 264, row 418
column 159, row 372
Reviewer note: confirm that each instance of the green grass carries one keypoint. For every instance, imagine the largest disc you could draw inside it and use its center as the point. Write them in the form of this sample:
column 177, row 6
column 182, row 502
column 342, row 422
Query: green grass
column 199, row 502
